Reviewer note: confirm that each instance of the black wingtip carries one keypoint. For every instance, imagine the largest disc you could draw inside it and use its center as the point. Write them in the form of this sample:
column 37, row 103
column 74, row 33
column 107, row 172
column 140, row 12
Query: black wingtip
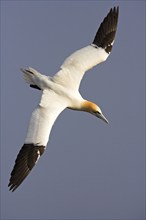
column 106, row 33
column 25, row 161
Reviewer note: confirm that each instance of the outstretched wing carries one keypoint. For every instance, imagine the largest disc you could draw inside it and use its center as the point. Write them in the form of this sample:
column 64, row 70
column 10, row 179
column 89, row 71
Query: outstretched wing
column 74, row 67
column 41, row 122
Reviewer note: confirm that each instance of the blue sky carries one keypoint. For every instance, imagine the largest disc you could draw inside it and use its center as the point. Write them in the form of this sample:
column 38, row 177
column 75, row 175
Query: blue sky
column 90, row 170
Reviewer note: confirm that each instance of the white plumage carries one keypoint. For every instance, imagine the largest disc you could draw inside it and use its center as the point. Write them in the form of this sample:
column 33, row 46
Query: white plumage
column 74, row 67
column 61, row 92
column 43, row 117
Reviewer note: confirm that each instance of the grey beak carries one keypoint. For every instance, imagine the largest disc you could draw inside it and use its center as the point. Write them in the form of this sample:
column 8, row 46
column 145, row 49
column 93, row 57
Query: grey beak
column 102, row 117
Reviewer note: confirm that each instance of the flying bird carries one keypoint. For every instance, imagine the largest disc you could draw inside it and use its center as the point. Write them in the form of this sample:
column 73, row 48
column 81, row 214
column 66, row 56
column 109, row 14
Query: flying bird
column 60, row 92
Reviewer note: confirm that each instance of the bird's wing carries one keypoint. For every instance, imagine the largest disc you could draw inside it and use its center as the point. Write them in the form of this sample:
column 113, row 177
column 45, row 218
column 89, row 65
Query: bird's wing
column 41, row 122
column 74, row 67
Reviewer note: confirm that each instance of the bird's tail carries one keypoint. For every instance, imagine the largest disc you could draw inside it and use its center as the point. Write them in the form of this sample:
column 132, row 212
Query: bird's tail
column 32, row 77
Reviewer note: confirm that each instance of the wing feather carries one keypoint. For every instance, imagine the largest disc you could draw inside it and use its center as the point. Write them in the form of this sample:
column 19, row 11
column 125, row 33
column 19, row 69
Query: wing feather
column 74, row 67
column 44, row 116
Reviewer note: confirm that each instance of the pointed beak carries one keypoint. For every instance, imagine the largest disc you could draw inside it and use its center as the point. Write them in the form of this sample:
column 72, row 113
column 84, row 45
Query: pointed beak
column 102, row 117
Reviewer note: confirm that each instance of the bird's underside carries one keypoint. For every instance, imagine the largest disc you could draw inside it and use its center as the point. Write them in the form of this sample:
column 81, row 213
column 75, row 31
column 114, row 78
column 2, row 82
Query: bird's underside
column 60, row 92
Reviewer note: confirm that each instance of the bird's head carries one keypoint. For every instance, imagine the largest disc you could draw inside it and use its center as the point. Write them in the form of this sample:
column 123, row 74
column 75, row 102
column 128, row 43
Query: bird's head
column 94, row 110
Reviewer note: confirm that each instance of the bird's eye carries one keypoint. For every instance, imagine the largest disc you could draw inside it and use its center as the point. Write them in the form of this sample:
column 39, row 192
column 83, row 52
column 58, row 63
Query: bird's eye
column 97, row 112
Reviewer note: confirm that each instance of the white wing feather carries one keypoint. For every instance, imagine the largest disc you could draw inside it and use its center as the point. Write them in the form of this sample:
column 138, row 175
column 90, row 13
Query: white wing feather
column 43, row 118
column 74, row 67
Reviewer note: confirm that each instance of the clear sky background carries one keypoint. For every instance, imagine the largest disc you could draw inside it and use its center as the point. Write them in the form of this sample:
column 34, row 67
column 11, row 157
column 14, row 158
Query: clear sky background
column 90, row 170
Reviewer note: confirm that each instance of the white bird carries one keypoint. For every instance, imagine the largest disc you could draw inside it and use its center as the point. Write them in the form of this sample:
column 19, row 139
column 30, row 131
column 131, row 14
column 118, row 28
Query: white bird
column 60, row 92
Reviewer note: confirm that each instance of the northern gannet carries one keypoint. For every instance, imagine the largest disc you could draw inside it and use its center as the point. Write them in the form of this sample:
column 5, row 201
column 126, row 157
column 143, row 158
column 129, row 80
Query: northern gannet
column 60, row 92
